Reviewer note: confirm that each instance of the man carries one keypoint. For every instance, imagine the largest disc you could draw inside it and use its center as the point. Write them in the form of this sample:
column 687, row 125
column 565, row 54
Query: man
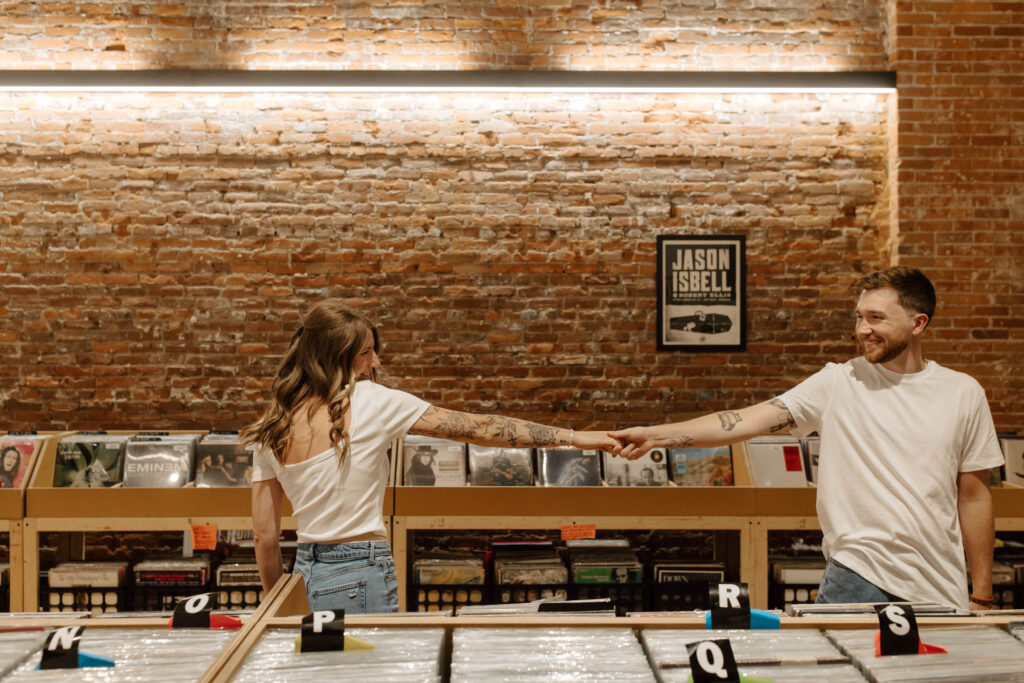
column 906, row 446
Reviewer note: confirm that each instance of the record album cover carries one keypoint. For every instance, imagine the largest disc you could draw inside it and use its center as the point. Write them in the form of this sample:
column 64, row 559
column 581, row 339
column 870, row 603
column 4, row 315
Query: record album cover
column 90, row 460
column 568, row 467
column 16, row 456
column 702, row 466
column 434, row 462
column 221, row 460
column 158, row 463
column 496, row 466
column 1013, row 451
column 776, row 461
column 648, row 470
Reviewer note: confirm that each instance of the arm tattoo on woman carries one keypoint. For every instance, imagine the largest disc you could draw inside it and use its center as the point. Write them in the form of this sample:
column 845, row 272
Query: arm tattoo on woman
column 680, row 442
column 541, row 435
column 729, row 419
column 452, row 426
column 504, row 428
column 786, row 420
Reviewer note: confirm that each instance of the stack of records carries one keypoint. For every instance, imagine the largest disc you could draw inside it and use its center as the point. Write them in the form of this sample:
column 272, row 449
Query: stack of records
column 90, row 460
column 239, row 584
column 650, row 469
column 159, row 461
column 221, row 460
column 568, row 467
column 399, row 654
column 604, row 561
column 445, row 581
column 579, row 608
column 16, row 456
column 796, row 579
column 548, row 654
column 1013, row 451
column 811, row 447
column 138, row 654
column 701, row 466
column 867, row 609
column 680, row 586
column 790, row 655
column 93, row 586
column 495, row 466
column 974, row 653
column 5, row 568
column 433, row 462
column 535, row 564
column 173, row 572
column 17, row 646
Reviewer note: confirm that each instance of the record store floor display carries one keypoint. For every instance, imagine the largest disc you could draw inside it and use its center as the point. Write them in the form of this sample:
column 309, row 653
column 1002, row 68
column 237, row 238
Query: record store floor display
column 547, row 654
column 974, row 653
column 790, row 655
column 138, row 654
column 398, row 655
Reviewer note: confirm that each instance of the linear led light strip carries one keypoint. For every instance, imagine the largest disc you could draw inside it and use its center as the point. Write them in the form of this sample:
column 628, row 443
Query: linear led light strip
column 227, row 80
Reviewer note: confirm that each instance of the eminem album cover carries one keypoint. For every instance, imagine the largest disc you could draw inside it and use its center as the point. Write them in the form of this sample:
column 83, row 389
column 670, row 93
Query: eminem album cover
column 497, row 466
column 221, row 460
column 156, row 463
column 648, row 470
column 434, row 462
column 568, row 467
column 90, row 460
column 702, row 466
column 16, row 456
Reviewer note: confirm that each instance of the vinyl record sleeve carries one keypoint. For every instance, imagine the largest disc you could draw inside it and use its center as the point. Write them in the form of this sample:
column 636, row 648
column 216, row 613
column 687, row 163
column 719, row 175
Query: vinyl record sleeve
column 16, row 456
column 158, row 464
column 90, row 461
column 701, row 466
column 776, row 461
column 223, row 461
column 497, row 466
column 433, row 462
column 568, row 467
column 650, row 469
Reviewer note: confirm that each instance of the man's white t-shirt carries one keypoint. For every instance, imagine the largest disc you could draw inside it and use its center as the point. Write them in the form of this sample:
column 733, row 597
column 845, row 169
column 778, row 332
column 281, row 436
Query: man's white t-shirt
column 892, row 445
column 333, row 500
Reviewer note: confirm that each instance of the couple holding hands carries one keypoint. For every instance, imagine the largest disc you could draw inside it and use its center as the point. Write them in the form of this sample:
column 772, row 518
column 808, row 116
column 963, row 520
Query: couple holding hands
column 896, row 430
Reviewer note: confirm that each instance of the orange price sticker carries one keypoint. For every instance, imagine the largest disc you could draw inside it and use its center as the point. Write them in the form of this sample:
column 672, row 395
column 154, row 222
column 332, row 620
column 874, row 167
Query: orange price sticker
column 572, row 532
column 204, row 536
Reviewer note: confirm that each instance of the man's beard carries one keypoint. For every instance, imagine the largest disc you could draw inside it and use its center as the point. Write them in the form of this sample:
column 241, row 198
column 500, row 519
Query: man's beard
column 889, row 351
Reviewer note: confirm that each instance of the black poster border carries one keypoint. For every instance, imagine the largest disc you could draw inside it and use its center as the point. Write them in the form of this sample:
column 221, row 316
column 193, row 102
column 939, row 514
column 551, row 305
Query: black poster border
column 741, row 294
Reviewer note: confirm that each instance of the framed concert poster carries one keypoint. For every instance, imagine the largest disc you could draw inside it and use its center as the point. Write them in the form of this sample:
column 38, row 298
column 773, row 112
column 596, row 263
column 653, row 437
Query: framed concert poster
column 702, row 298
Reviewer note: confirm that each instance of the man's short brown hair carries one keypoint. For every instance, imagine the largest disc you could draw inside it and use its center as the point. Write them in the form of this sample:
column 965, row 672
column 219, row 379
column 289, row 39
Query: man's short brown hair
column 915, row 290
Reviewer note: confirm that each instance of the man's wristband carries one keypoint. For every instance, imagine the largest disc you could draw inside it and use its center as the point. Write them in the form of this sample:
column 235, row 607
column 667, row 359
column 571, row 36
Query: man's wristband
column 982, row 601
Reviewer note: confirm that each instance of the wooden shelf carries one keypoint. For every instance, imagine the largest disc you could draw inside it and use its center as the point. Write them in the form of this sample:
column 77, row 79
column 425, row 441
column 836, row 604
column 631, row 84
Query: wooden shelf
column 583, row 501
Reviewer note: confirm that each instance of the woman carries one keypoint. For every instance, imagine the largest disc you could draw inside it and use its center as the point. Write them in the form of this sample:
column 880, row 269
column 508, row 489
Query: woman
column 323, row 440
column 10, row 461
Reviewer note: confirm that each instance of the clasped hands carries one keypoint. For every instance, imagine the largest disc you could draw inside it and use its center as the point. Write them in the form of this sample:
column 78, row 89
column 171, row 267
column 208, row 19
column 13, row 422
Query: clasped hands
column 629, row 443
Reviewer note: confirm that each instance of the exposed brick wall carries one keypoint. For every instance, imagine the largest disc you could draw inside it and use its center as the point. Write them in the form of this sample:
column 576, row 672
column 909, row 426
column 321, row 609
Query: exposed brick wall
column 155, row 251
column 960, row 68
column 158, row 249
column 438, row 34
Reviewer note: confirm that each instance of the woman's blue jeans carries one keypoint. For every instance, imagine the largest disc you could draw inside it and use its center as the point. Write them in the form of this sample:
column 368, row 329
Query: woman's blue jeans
column 358, row 577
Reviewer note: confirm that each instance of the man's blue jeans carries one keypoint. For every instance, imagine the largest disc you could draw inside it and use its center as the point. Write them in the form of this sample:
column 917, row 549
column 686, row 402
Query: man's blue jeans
column 842, row 584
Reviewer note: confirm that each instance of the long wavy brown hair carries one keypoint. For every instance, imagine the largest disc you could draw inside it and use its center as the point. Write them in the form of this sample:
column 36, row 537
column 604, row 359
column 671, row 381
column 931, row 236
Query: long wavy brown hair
column 317, row 369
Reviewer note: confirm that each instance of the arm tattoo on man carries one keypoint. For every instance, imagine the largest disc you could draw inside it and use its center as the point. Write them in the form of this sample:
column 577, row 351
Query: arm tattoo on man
column 680, row 442
column 729, row 419
column 786, row 420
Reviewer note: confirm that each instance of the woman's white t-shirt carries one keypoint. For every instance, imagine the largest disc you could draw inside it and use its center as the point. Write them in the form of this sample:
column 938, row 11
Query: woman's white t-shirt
column 333, row 500
column 892, row 446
